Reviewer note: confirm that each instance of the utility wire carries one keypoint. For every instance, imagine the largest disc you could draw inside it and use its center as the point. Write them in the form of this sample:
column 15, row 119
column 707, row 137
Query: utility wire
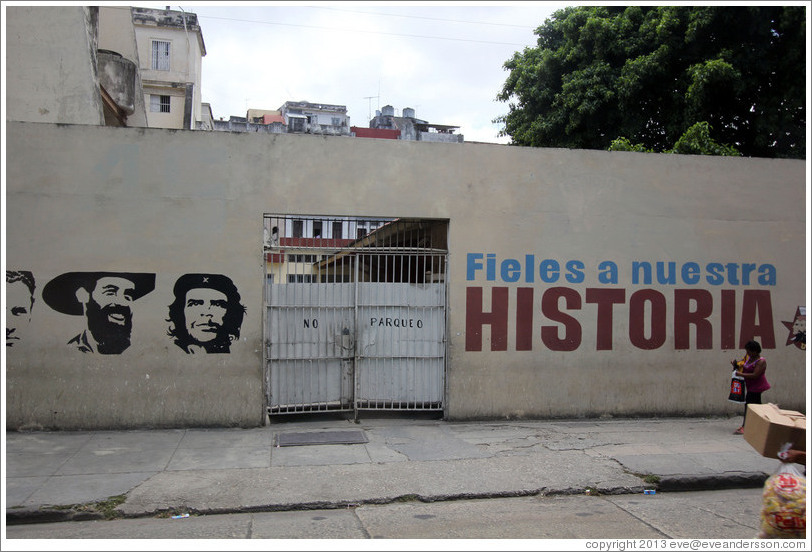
column 424, row 17
column 360, row 31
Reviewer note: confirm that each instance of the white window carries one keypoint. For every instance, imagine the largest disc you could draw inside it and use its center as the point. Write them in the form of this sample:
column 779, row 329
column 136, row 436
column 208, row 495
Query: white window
column 159, row 103
column 298, row 258
column 160, row 55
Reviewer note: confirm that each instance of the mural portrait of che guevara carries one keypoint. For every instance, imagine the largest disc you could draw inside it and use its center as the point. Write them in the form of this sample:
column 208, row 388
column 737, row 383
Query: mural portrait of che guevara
column 206, row 314
column 19, row 302
column 104, row 299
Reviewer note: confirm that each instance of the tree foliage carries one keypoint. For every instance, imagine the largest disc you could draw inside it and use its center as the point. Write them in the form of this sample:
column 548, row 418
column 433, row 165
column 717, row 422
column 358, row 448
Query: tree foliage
column 650, row 75
column 695, row 141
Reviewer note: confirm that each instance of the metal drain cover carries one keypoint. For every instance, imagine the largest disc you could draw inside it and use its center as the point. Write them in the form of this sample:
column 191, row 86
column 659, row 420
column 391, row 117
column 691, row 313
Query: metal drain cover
column 320, row 438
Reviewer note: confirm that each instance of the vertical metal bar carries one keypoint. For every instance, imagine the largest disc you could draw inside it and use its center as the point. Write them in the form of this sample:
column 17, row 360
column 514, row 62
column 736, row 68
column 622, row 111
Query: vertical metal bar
column 411, row 276
column 314, row 368
column 265, row 340
column 385, row 373
column 446, row 277
column 355, row 362
column 291, row 365
column 382, row 367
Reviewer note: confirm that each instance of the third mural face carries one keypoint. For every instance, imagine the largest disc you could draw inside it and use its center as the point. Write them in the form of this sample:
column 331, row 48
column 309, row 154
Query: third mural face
column 206, row 315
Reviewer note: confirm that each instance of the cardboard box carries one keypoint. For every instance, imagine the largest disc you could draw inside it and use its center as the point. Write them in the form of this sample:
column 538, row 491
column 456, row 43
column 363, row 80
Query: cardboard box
column 768, row 428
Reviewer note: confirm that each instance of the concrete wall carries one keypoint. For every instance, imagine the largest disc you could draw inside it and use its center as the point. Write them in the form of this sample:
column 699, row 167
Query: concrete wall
column 232, row 126
column 50, row 67
column 440, row 137
column 574, row 336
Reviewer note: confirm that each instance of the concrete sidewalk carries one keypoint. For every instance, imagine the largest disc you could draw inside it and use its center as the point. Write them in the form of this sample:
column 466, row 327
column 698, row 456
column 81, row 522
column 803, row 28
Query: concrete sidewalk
column 54, row 476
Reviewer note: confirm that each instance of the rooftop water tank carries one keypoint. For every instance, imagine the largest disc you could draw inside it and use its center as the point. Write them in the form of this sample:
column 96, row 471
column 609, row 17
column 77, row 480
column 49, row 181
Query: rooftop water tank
column 117, row 75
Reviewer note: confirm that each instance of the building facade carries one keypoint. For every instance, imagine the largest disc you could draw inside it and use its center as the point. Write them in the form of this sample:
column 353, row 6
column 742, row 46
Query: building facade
column 295, row 245
column 412, row 128
column 171, row 51
column 379, row 133
column 291, row 117
column 315, row 118
column 255, row 120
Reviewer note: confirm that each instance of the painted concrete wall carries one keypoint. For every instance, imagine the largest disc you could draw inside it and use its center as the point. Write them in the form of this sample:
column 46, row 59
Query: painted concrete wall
column 579, row 340
column 50, row 67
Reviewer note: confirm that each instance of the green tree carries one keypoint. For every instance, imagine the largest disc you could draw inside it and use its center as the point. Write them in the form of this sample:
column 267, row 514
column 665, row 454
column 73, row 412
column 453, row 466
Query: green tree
column 695, row 141
column 651, row 74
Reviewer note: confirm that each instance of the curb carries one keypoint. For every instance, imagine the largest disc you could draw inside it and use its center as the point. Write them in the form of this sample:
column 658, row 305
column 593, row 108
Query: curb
column 712, row 482
column 22, row 516
column 49, row 515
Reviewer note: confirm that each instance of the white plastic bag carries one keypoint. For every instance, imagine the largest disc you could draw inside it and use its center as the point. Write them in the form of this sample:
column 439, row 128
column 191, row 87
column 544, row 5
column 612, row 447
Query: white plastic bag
column 783, row 506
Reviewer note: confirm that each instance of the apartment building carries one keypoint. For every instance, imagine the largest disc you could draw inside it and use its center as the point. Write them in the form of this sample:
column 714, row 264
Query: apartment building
column 316, row 118
column 294, row 245
column 171, row 51
column 410, row 127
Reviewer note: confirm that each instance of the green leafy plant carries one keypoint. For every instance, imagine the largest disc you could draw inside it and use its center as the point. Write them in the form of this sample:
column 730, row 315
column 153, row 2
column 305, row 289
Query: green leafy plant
column 706, row 80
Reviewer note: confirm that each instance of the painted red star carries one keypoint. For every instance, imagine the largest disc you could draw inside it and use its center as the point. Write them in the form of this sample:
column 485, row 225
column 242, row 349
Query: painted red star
column 792, row 338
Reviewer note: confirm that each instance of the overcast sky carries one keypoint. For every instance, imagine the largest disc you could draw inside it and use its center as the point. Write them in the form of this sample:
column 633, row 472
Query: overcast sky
column 443, row 59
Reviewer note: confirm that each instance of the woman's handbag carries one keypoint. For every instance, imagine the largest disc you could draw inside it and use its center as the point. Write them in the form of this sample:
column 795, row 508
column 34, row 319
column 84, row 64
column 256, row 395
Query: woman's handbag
column 738, row 388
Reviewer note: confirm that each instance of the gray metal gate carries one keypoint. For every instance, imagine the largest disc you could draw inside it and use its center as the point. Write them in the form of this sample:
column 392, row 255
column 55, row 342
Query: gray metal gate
column 355, row 314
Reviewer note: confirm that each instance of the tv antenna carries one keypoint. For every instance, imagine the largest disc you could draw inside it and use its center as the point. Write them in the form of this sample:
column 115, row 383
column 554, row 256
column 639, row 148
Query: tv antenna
column 370, row 105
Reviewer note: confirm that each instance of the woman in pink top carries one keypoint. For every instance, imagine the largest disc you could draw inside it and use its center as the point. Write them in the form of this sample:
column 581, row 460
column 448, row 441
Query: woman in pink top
column 752, row 371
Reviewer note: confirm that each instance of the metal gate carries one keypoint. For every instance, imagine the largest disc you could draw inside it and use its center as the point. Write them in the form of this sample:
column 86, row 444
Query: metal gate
column 355, row 314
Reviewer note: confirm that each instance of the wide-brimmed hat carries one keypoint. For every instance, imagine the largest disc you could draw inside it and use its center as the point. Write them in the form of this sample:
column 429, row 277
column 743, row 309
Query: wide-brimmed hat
column 60, row 293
